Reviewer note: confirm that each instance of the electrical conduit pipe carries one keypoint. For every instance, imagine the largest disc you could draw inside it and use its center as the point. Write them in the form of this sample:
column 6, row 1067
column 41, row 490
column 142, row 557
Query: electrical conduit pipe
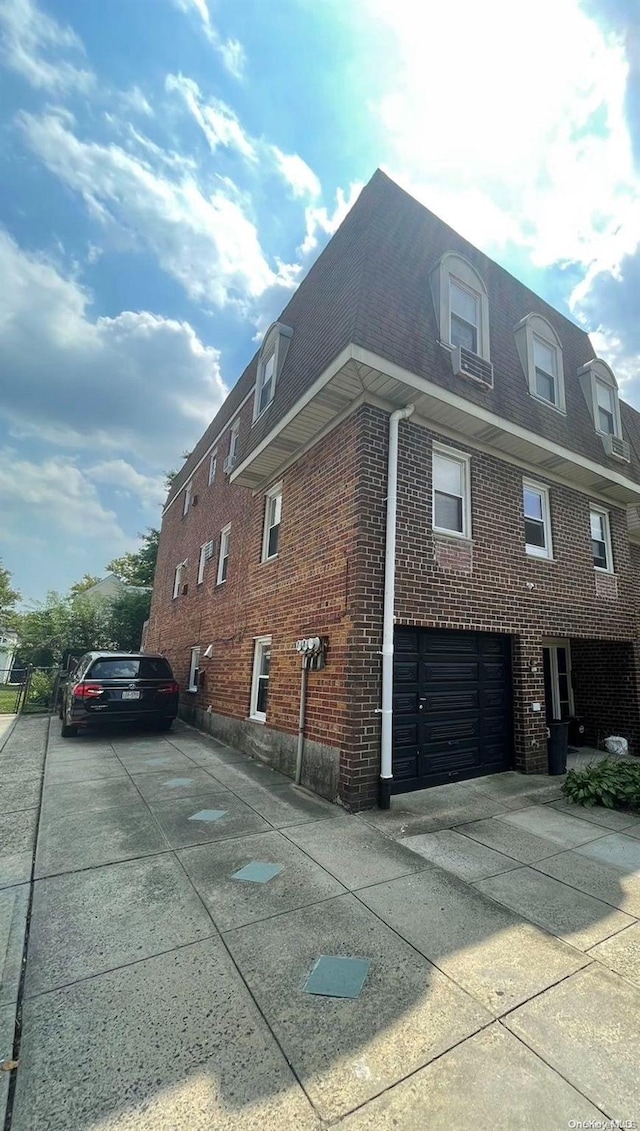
column 386, row 771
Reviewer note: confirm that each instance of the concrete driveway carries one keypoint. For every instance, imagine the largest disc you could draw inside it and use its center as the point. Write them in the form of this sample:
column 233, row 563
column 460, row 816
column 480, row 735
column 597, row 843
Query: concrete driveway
column 164, row 991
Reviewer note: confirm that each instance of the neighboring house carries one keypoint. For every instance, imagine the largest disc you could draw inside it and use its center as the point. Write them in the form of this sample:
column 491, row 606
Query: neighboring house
column 8, row 649
column 110, row 587
column 517, row 563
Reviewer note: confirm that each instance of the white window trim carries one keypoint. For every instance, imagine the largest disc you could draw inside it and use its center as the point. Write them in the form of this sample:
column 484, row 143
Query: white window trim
column 259, row 643
column 274, row 344
column 456, row 267
column 206, row 553
column 177, row 579
column 188, row 491
column 465, row 460
column 546, row 553
column 234, row 432
column 552, row 648
column 597, row 372
column 213, row 466
column 194, row 669
column 272, row 493
column 224, row 544
column 535, row 326
column 595, row 508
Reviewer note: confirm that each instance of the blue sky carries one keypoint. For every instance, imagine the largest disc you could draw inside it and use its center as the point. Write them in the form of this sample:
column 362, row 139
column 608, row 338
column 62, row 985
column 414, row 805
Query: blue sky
column 172, row 167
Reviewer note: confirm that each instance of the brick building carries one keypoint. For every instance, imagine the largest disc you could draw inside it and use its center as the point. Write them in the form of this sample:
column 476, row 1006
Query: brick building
column 515, row 472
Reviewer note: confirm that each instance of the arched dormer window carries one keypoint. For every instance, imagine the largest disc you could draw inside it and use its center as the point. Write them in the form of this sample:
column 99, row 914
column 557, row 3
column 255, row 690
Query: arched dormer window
column 461, row 305
column 601, row 391
column 270, row 361
column 540, row 352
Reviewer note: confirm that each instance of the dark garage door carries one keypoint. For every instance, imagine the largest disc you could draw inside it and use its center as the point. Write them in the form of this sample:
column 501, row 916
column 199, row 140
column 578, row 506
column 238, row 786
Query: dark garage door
column 451, row 706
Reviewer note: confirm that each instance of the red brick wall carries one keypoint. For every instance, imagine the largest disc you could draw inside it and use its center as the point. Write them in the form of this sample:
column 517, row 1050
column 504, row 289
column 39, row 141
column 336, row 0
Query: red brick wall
column 328, row 580
column 304, row 591
column 493, row 598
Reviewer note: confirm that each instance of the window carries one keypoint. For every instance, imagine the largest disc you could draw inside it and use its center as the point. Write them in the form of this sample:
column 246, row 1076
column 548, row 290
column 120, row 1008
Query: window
column 265, row 378
column 126, row 667
column 540, row 353
column 537, row 520
column 272, row 513
column 260, row 680
column 461, row 305
column 601, row 539
column 605, row 400
column 601, row 393
column 546, row 365
column 451, row 494
column 233, row 440
column 213, row 463
column 194, row 669
column 464, row 308
column 177, row 578
column 223, row 557
column 206, row 552
column 275, row 345
column 187, row 497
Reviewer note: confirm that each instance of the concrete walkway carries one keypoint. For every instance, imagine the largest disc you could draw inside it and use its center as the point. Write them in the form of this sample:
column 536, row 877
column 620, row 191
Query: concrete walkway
column 165, row 993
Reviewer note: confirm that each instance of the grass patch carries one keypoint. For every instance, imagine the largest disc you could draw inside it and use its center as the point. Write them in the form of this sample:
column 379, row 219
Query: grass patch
column 613, row 784
column 8, row 696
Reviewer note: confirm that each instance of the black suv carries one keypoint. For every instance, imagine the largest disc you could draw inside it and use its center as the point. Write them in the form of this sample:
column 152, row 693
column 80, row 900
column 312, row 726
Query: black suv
column 112, row 687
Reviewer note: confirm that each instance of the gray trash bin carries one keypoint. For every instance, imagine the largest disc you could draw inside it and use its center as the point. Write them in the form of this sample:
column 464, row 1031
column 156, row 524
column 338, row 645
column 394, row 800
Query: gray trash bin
column 557, row 747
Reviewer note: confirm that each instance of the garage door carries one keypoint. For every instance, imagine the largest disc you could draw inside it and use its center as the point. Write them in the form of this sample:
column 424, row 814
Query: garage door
column 451, row 707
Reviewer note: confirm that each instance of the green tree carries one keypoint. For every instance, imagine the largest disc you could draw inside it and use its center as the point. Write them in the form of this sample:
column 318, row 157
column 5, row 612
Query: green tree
column 138, row 568
column 127, row 614
column 9, row 598
column 87, row 581
column 62, row 626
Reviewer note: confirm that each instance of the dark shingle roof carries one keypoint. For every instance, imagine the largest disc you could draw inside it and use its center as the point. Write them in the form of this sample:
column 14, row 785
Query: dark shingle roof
column 370, row 286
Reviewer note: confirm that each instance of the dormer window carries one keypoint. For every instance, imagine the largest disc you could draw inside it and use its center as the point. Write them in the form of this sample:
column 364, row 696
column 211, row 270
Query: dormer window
column 461, row 305
column 270, row 362
column 540, row 352
column 605, row 400
column 464, row 308
column 545, row 360
column 600, row 389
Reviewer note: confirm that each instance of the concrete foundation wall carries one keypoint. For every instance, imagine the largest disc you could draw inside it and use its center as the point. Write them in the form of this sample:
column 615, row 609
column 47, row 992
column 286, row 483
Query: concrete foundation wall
column 320, row 764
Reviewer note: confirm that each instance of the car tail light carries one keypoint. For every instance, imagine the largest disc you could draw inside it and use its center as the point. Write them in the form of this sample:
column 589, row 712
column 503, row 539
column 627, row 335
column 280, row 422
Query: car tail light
column 87, row 690
column 169, row 689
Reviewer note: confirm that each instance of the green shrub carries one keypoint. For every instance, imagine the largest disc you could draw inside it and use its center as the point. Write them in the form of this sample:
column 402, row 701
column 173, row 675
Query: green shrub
column 40, row 689
column 614, row 784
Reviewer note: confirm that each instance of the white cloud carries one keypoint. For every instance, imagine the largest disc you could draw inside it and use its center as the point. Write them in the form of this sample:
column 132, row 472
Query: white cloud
column 135, row 383
column 297, row 173
column 221, row 127
column 56, row 492
column 321, row 223
column 149, row 489
column 216, row 120
column 206, row 242
column 35, row 45
column 134, row 99
column 231, row 51
column 509, row 136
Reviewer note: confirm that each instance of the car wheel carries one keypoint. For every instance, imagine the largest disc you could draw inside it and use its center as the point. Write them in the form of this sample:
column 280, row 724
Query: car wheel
column 68, row 731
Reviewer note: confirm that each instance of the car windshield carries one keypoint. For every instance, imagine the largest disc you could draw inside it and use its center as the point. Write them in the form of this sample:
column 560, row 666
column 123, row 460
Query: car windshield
column 130, row 667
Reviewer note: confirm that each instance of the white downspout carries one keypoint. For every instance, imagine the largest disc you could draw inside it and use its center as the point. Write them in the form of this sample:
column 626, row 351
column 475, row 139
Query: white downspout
column 386, row 772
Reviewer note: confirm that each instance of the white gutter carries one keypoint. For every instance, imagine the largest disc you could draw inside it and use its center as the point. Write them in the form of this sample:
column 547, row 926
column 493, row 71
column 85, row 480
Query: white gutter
column 386, row 772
